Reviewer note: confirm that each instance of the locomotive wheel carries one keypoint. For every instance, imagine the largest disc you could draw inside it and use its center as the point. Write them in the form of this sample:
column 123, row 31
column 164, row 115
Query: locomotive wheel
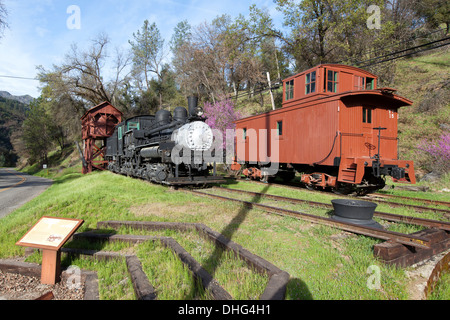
column 287, row 176
column 343, row 189
column 266, row 179
column 361, row 192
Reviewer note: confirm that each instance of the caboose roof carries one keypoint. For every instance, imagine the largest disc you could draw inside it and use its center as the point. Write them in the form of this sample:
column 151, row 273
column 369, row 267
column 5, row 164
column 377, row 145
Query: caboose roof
column 382, row 96
column 337, row 67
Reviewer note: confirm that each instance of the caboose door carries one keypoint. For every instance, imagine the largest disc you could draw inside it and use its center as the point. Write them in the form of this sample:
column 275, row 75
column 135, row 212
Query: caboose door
column 368, row 123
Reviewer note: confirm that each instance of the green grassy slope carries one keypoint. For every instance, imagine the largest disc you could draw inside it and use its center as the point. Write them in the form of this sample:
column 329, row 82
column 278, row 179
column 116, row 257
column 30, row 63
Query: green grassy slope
column 426, row 81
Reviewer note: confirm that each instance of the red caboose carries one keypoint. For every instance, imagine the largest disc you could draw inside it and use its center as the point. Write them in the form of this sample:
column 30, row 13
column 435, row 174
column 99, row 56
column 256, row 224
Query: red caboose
column 335, row 127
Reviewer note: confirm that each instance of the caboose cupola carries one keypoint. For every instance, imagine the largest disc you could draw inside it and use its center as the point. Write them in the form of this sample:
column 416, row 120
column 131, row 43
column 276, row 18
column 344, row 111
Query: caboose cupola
column 324, row 80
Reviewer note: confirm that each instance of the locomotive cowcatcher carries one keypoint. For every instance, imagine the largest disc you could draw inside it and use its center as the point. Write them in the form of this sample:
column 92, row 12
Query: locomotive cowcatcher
column 335, row 127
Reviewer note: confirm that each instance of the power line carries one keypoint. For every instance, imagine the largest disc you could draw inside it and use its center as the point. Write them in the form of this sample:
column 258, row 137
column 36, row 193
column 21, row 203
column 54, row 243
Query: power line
column 368, row 62
column 407, row 54
column 380, row 59
column 413, row 38
column 16, row 77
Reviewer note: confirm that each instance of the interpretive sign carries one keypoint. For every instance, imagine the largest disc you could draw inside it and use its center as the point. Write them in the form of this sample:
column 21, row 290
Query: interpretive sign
column 50, row 234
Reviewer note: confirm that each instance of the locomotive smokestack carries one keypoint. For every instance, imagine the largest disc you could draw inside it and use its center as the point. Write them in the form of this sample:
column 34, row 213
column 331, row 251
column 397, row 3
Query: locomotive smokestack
column 192, row 105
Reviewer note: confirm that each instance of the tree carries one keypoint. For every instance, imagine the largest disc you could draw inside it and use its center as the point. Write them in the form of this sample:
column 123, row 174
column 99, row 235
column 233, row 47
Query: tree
column 148, row 55
column 181, row 37
column 82, row 74
column 37, row 132
column 217, row 58
column 182, row 34
column 435, row 12
column 3, row 15
column 324, row 31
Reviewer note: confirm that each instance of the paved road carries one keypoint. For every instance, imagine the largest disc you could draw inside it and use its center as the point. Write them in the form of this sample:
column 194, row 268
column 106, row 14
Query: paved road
column 18, row 188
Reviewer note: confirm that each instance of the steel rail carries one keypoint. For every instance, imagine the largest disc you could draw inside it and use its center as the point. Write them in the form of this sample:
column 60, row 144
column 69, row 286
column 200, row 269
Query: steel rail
column 409, row 240
column 417, row 208
column 295, row 186
column 429, row 201
column 382, row 215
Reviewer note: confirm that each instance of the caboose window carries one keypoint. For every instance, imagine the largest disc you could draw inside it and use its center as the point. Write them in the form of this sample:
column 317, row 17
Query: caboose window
column 332, row 81
column 360, row 83
column 289, row 90
column 370, row 83
column 119, row 133
column 310, row 83
column 244, row 136
column 280, row 128
column 367, row 115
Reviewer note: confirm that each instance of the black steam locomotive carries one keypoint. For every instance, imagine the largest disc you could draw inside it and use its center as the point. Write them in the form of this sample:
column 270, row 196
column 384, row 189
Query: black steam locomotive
column 164, row 148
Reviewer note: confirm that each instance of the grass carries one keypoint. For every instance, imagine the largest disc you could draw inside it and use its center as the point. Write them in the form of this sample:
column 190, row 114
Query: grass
column 442, row 290
column 423, row 79
column 324, row 263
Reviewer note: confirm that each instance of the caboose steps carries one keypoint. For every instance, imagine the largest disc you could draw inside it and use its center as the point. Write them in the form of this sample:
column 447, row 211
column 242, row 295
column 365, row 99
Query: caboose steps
column 348, row 175
column 347, row 171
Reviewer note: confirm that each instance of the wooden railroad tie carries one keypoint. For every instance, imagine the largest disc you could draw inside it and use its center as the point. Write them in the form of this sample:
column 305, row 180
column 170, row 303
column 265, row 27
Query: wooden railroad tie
column 394, row 253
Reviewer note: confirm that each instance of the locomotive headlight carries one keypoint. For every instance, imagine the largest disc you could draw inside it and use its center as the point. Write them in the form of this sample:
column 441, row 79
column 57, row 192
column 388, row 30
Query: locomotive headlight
column 196, row 136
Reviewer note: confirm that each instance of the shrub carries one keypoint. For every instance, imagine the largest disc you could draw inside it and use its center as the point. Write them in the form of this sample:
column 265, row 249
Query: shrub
column 221, row 116
column 439, row 153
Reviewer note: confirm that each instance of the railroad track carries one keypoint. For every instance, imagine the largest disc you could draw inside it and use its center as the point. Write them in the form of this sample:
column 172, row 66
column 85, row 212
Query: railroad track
column 445, row 212
column 382, row 215
column 409, row 240
column 427, row 201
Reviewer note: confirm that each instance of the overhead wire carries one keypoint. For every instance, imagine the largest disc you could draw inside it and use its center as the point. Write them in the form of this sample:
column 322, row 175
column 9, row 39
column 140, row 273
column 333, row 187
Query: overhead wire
column 413, row 38
column 361, row 64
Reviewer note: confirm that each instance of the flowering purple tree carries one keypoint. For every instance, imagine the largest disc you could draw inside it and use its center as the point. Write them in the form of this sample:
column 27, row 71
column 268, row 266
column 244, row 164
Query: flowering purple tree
column 221, row 116
column 439, row 151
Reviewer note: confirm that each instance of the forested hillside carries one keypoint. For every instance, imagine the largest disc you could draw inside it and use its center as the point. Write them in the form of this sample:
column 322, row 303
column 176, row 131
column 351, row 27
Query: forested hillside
column 12, row 115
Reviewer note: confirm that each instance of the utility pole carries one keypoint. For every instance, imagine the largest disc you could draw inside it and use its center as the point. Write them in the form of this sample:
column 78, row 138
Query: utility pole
column 270, row 90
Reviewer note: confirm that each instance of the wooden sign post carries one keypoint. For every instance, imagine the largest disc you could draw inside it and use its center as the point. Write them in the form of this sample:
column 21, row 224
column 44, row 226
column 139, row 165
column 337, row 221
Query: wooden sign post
column 50, row 234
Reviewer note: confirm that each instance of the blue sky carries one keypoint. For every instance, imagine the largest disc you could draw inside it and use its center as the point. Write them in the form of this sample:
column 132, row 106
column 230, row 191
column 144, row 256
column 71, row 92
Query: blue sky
column 38, row 33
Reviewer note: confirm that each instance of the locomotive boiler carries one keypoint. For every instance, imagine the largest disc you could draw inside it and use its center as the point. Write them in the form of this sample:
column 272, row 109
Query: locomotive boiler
column 166, row 148
column 335, row 128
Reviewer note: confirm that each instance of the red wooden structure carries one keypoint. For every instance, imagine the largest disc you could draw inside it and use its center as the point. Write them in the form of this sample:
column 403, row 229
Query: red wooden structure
column 333, row 118
column 98, row 123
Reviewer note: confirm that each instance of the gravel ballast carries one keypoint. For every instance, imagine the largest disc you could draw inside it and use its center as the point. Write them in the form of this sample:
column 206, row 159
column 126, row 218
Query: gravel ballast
column 19, row 287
